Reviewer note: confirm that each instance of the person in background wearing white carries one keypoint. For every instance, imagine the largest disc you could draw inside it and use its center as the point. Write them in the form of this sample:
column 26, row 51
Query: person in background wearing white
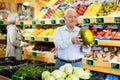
column 69, row 46
column 14, row 38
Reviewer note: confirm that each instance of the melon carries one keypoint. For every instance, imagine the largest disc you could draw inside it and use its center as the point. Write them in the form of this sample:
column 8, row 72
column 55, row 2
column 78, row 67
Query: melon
column 86, row 35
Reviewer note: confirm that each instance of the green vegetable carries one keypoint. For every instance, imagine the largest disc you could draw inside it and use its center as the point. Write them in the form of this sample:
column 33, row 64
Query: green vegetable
column 72, row 77
column 45, row 74
column 78, row 71
column 50, row 78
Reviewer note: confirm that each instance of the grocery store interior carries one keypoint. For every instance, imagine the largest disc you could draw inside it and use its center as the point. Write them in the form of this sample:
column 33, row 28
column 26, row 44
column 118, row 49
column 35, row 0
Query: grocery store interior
column 38, row 20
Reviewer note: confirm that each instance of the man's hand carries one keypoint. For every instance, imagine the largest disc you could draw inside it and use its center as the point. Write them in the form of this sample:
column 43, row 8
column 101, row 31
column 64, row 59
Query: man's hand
column 77, row 40
column 88, row 46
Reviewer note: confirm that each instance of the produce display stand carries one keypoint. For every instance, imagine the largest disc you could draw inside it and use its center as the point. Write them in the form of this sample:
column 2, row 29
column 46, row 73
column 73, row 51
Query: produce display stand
column 101, row 66
column 4, row 78
column 34, row 56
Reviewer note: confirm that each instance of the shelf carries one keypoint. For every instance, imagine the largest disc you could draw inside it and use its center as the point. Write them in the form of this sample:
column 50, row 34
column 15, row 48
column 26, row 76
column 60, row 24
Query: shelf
column 45, row 57
column 100, row 66
column 81, row 20
column 113, row 43
column 44, row 39
column 4, row 78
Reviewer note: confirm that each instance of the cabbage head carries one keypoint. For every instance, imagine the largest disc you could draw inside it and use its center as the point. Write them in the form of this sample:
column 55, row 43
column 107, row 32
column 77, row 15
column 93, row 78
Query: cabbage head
column 45, row 74
column 78, row 71
column 72, row 77
column 50, row 78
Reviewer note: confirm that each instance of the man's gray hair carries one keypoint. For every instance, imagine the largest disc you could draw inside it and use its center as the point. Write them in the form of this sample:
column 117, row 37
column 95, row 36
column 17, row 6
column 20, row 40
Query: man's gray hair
column 67, row 10
column 12, row 18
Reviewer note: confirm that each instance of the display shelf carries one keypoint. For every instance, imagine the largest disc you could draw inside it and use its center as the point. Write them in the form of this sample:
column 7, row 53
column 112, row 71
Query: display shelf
column 81, row 20
column 101, row 66
column 4, row 78
column 34, row 56
column 15, row 1
column 44, row 39
column 115, row 43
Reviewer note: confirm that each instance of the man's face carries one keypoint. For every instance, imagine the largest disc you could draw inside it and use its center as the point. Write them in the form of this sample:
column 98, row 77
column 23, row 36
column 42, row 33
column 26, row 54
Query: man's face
column 71, row 18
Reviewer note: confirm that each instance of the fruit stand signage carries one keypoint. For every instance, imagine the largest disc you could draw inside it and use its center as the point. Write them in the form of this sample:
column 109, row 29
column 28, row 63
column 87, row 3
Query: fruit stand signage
column 33, row 22
column 1, row 22
column 34, row 54
column 53, row 22
column 62, row 22
column 46, row 39
column 22, row 24
column 32, row 39
column 16, row 78
column 95, row 43
column 117, row 20
column 86, row 20
column 115, row 66
column 100, row 20
column 23, row 38
column 42, row 22
column 90, row 62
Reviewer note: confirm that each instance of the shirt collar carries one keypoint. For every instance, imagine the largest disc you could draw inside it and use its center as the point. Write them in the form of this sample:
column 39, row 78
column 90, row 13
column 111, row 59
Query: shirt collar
column 74, row 30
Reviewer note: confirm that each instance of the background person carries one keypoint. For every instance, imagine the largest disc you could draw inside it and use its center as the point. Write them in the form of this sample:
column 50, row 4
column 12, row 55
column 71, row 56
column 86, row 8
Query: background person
column 14, row 38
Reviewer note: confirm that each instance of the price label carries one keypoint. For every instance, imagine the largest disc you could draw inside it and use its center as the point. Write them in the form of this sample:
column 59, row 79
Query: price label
column 90, row 62
column 86, row 21
column 5, row 37
column 46, row 39
column 34, row 54
column 42, row 22
column 32, row 39
column 53, row 22
column 62, row 22
column 115, row 66
column 23, row 38
column 22, row 52
column 95, row 43
column 22, row 24
column 1, row 22
column 16, row 78
column 117, row 19
column 100, row 20
column 33, row 22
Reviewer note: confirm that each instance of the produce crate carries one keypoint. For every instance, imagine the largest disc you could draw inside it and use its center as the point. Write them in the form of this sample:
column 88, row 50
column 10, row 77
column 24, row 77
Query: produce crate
column 4, row 78
column 101, row 66
column 49, row 58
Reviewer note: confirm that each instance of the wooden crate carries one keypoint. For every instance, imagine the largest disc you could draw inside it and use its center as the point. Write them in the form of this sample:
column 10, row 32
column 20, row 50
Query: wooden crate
column 100, row 66
column 4, row 78
column 49, row 58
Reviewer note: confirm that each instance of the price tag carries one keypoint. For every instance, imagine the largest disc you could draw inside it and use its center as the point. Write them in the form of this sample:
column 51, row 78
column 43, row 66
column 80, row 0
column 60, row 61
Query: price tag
column 86, row 21
column 1, row 22
column 117, row 19
column 33, row 22
column 32, row 39
column 46, row 39
column 34, row 54
column 42, row 22
column 16, row 78
column 23, row 38
column 22, row 24
column 100, row 20
column 115, row 66
column 95, row 43
column 53, row 22
column 22, row 52
column 62, row 22
column 5, row 37
column 90, row 62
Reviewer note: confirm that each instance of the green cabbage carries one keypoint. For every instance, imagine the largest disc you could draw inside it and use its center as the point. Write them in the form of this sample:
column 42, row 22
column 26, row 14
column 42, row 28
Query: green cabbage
column 86, row 75
column 45, row 74
column 78, row 71
column 58, row 74
column 72, row 77
column 68, row 68
column 50, row 78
